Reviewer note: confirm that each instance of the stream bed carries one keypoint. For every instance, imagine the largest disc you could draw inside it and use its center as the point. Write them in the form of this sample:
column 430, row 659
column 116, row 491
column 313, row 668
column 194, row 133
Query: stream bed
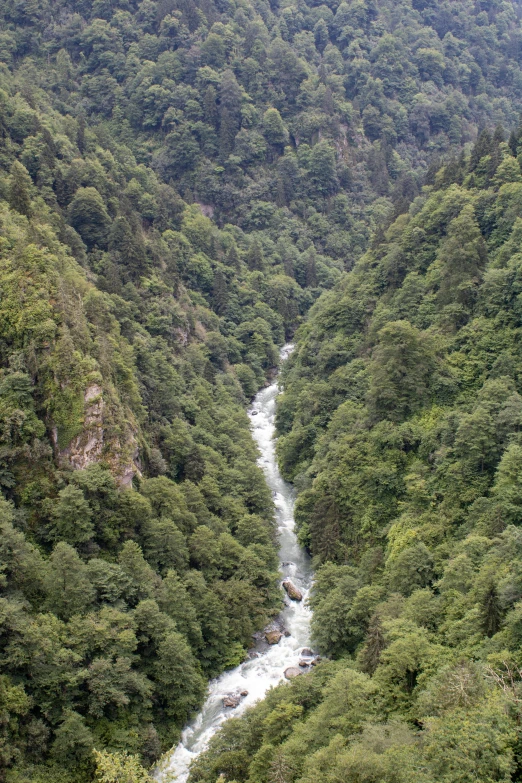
column 266, row 664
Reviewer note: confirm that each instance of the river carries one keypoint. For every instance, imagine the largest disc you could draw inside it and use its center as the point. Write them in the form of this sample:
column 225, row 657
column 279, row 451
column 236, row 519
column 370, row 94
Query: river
column 265, row 668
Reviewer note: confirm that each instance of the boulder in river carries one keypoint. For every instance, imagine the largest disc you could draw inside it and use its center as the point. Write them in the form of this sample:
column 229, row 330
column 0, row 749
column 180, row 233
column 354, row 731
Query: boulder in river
column 293, row 592
column 303, row 664
column 306, row 652
column 231, row 700
column 292, row 671
column 273, row 637
column 244, row 693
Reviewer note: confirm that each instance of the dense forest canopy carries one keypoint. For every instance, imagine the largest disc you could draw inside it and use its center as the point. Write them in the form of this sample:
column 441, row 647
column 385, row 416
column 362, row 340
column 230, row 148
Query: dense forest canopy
column 179, row 182
column 401, row 425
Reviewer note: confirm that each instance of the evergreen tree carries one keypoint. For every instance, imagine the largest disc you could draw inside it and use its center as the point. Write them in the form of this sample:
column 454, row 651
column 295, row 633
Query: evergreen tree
column 483, row 147
column 219, row 292
column 374, row 645
column 228, row 128
column 71, row 517
column 73, row 744
column 68, row 588
column 323, row 177
column 491, row 612
column 462, row 256
column 210, row 106
column 129, row 245
column 321, row 35
column 254, row 256
column 176, row 672
column 311, row 269
column 20, row 186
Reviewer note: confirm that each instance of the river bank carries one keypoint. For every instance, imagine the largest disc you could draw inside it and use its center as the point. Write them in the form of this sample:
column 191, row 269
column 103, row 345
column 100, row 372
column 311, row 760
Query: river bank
column 267, row 663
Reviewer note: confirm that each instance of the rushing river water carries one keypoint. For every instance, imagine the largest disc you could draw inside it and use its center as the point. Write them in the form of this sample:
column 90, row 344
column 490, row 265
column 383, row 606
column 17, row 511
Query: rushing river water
column 267, row 665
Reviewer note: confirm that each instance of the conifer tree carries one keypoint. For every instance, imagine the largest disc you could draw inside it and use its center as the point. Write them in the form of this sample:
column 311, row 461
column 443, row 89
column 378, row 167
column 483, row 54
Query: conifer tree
column 69, row 590
column 311, row 269
column 219, row 292
column 20, row 185
column 374, row 645
column 491, row 612
column 254, row 256
column 71, row 517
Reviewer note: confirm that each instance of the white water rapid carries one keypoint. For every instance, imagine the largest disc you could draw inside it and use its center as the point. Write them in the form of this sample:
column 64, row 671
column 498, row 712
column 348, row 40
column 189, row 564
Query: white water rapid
column 265, row 668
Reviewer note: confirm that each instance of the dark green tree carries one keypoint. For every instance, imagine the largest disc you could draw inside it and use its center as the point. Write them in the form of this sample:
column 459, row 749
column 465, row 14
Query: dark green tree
column 20, row 187
column 71, row 517
column 69, row 590
column 88, row 215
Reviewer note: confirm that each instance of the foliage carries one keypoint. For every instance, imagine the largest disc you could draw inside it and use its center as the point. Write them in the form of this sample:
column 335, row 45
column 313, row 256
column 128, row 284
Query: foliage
column 400, row 425
column 178, row 183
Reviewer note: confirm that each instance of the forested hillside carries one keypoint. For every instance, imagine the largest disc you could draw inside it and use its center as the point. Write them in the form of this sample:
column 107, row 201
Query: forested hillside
column 401, row 425
column 179, row 181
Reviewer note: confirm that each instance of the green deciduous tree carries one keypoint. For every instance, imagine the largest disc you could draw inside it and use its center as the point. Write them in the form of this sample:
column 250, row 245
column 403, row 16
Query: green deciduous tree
column 89, row 216
column 119, row 768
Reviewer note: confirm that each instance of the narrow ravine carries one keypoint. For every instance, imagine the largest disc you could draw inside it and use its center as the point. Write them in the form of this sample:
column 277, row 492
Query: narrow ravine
column 267, row 664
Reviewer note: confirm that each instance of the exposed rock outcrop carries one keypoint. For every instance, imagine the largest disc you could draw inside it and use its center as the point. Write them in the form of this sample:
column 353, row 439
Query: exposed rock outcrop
column 93, row 443
column 87, row 446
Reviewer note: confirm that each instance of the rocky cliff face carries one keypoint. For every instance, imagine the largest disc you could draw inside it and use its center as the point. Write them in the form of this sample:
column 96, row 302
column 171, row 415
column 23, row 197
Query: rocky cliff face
column 95, row 443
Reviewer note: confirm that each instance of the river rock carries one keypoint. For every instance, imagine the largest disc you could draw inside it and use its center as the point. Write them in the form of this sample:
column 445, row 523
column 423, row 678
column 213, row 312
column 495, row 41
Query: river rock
column 244, row 693
column 273, row 637
column 231, row 700
column 293, row 592
column 303, row 664
column 286, row 632
column 306, row 652
column 292, row 671
column 315, row 661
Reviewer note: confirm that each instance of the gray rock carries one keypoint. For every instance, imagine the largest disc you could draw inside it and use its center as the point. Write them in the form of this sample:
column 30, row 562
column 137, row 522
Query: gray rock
column 293, row 592
column 292, row 671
